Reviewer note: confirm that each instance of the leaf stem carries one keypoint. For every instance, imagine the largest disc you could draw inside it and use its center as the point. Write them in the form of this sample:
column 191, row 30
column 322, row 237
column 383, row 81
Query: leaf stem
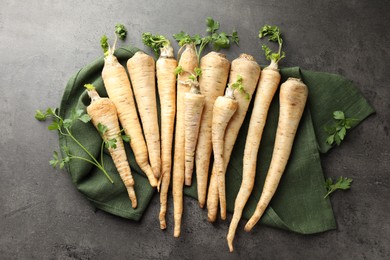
column 82, row 147
column 199, row 52
column 101, row 154
column 329, row 192
column 99, row 166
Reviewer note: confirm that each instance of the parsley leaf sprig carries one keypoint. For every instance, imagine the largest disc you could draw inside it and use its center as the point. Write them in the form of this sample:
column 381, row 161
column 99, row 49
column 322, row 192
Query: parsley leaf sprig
column 341, row 184
column 120, row 32
column 274, row 35
column 111, row 143
column 338, row 131
column 219, row 41
column 155, row 42
column 192, row 78
column 64, row 128
column 237, row 86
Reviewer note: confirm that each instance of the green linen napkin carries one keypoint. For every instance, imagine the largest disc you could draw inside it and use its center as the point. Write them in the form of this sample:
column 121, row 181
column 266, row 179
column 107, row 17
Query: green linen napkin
column 297, row 206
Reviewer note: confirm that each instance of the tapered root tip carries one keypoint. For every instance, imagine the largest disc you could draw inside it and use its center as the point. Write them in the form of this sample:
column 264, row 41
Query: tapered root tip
column 159, row 184
column 211, row 219
column 176, row 233
column 163, row 224
column 201, row 205
column 212, row 215
column 153, row 182
column 134, row 204
column 230, row 243
column 251, row 223
column 223, row 214
column 188, row 182
column 248, row 227
column 132, row 196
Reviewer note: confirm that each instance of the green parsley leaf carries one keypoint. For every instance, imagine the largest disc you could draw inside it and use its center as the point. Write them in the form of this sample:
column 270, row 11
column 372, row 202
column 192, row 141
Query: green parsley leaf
column 155, row 42
column 125, row 138
column 54, row 126
column 342, row 133
column 121, row 31
column 341, row 184
column 62, row 164
column 272, row 31
column 221, row 41
column 102, row 128
column 68, row 123
column 89, row 86
column 267, row 51
column 66, row 150
column 110, row 143
column 85, row 118
column 55, row 155
column 183, row 38
column 274, row 35
column 212, row 25
column 178, row 70
column 39, row 115
column 238, row 86
column 50, row 112
column 235, row 38
column 218, row 40
column 330, row 139
column 338, row 131
column 196, row 39
column 338, row 115
column 198, row 72
column 104, row 44
column 78, row 113
column 54, row 161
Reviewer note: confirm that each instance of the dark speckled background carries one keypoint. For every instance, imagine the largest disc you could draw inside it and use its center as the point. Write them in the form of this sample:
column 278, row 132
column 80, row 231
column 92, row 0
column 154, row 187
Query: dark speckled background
column 43, row 43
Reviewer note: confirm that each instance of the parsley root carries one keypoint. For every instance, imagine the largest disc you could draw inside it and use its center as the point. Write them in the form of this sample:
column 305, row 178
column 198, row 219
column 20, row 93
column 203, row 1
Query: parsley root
column 215, row 72
column 267, row 86
column 118, row 88
column 293, row 96
column 193, row 103
column 212, row 85
column 142, row 73
column 224, row 108
column 188, row 62
column 247, row 68
column 102, row 111
column 166, row 82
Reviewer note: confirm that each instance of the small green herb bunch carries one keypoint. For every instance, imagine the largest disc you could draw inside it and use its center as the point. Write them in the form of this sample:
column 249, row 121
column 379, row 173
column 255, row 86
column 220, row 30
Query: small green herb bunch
column 64, row 128
column 219, row 41
column 120, row 32
column 274, row 35
column 155, row 42
column 237, row 86
column 341, row 184
column 338, row 131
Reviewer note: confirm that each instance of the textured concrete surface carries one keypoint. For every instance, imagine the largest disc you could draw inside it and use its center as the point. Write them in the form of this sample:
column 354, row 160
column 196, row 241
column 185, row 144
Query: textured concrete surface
column 43, row 43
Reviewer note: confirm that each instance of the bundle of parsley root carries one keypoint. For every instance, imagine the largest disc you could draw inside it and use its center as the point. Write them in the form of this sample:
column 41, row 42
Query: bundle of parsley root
column 203, row 103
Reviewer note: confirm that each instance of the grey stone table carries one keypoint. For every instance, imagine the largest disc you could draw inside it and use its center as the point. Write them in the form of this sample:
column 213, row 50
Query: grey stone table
column 43, row 43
